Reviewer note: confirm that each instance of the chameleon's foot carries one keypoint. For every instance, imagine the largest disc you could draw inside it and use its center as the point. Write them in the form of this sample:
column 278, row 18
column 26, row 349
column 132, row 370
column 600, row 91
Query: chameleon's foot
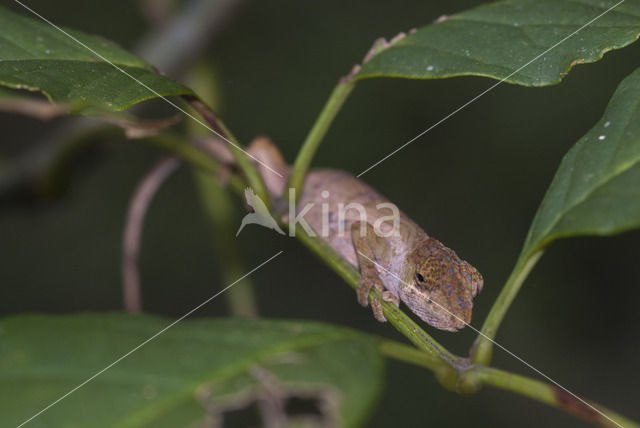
column 364, row 287
column 368, row 269
column 377, row 310
column 388, row 296
column 367, row 282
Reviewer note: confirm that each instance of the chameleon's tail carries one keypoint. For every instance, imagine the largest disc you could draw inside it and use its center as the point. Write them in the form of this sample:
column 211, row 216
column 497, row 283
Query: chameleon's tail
column 261, row 148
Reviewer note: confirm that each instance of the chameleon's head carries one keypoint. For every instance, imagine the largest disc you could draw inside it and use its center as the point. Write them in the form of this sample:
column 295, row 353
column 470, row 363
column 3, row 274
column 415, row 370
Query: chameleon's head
column 443, row 286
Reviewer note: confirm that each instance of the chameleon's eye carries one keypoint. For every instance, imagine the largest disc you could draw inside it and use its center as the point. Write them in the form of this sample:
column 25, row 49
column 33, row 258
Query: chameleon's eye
column 419, row 277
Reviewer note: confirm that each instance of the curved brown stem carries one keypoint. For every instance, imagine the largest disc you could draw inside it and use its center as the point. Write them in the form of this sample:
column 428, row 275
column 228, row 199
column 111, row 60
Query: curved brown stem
column 138, row 205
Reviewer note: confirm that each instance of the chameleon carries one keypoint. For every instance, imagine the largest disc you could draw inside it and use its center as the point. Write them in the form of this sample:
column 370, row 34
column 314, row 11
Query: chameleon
column 407, row 266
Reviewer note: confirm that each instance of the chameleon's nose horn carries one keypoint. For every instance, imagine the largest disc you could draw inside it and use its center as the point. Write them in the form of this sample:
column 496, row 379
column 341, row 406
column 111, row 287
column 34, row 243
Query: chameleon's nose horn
column 477, row 287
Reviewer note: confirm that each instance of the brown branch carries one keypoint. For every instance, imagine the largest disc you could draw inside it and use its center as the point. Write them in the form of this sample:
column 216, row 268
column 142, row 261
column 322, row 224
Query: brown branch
column 138, row 205
column 40, row 109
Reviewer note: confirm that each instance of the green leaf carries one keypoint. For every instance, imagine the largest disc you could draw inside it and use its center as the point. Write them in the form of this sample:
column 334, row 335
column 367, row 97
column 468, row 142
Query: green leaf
column 596, row 190
column 497, row 39
column 195, row 368
column 38, row 57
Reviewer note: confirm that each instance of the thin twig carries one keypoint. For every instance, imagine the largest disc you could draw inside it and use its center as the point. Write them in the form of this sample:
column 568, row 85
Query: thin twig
column 318, row 131
column 332, row 107
column 482, row 349
column 217, row 204
column 475, row 376
column 138, row 205
column 243, row 159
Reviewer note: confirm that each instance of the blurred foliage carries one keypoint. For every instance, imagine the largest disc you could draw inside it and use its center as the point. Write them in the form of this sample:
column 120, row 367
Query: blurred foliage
column 222, row 365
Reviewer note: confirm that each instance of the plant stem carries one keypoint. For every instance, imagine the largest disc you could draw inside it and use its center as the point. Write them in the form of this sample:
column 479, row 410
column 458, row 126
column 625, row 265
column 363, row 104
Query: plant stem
column 483, row 347
column 218, row 207
column 550, row 395
column 216, row 200
column 134, row 225
column 182, row 148
column 478, row 375
column 51, row 169
column 317, row 133
column 409, row 354
column 243, row 161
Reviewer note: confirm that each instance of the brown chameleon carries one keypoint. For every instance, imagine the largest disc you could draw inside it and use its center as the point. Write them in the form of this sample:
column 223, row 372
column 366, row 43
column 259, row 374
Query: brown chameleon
column 407, row 266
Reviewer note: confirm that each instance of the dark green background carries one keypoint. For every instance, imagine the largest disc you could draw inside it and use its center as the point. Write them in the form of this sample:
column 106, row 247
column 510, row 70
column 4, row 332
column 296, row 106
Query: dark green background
column 473, row 182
